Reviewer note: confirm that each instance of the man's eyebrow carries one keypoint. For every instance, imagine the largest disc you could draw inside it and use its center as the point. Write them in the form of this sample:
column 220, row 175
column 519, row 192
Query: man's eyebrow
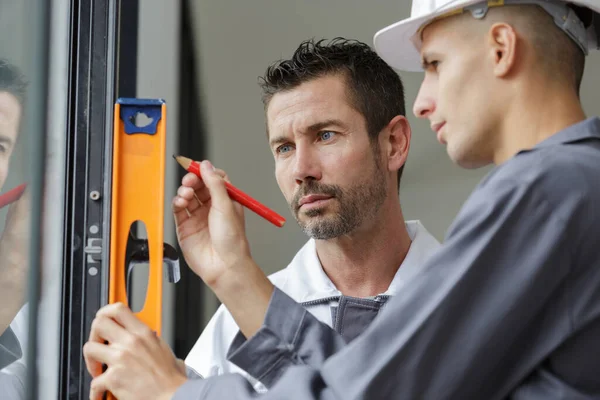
column 324, row 124
column 278, row 140
column 311, row 128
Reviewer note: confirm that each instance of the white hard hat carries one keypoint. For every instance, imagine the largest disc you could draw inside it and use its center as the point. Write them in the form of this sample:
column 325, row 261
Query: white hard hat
column 398, row 44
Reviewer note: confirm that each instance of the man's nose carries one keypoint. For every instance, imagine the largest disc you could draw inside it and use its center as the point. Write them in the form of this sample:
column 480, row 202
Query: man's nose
column 307, row 165
column 424, row 104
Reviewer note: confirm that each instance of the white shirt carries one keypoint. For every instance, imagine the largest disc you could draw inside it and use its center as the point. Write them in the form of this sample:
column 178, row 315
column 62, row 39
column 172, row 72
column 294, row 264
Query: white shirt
column 303, row 280
column 14, row 387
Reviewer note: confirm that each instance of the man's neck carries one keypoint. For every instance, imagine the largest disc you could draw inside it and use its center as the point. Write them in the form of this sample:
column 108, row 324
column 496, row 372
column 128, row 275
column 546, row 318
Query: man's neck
column 548, row 110
column 364, row 263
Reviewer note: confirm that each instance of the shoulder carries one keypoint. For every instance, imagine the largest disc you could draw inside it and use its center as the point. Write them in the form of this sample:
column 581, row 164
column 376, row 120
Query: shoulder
column 557, row 179
column 560, row 182
column 549, row 163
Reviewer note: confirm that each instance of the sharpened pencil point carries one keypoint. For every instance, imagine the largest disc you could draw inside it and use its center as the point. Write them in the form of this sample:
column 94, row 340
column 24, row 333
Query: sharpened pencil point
column 178, row 159
column 183, row 161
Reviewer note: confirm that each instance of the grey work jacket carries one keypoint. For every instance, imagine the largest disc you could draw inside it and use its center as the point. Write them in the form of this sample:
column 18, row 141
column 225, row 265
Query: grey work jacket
column 509, row 307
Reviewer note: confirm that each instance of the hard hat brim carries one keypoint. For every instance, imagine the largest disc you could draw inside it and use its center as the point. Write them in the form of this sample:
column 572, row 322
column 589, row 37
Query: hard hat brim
column 396, row 43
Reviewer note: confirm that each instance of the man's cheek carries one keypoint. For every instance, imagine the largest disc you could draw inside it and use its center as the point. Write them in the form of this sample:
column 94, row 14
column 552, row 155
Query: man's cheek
column 3, row 171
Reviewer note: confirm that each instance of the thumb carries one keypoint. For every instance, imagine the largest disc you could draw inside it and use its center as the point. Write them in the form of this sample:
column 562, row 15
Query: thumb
column 215, row 184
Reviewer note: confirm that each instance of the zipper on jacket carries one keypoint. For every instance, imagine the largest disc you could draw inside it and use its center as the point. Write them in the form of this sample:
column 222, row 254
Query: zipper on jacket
column 379, row 298
column 316, row 302
column 382, row 298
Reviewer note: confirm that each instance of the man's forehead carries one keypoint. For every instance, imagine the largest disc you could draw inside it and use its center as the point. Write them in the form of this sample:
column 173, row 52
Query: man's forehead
column 9, row 104
column 301, row 119
column 442, row 34
column 10, row 115
column 308, row 105
column 437, row 29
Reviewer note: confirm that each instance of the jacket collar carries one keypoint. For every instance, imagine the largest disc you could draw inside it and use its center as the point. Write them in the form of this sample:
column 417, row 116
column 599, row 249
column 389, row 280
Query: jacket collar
column 306, row 280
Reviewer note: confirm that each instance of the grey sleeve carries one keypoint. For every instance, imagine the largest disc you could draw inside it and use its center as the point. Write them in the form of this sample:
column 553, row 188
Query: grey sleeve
column 289, row 336
column 471, row 325
column 234, row 386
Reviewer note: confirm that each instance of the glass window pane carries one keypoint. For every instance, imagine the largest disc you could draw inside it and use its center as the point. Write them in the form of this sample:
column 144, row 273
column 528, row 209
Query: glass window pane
column 22, row 137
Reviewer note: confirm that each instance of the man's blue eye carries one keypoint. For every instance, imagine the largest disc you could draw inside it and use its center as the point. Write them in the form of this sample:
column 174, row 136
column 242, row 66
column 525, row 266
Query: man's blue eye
column 283, row 149
column 327, row 135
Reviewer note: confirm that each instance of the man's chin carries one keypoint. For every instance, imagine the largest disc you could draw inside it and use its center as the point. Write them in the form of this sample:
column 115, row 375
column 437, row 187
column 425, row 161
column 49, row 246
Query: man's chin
column 315, row 213
column 310, row 213
column 466, row 162
column 320, row 228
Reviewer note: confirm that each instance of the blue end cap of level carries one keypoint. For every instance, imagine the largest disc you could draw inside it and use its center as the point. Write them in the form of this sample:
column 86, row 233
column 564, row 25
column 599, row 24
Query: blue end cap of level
column 128, row 101
column 131, row 107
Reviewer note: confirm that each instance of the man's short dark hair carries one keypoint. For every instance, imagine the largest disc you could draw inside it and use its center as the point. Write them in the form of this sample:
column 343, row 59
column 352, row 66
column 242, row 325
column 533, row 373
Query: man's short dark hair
column 374, row 88
column 12, row 81
column 563, row 57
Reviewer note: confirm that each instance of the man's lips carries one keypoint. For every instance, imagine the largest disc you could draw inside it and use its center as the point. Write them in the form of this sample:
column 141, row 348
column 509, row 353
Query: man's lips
column 312, row 199
column 436, row 127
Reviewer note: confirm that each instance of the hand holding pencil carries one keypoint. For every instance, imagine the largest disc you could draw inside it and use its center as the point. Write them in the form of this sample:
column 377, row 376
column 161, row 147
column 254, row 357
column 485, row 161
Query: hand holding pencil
column 212, row 237
column 236, row 194
column 210, row 225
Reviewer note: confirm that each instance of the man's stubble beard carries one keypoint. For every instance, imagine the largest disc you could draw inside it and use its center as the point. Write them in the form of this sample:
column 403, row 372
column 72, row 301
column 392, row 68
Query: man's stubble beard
column 356, row 204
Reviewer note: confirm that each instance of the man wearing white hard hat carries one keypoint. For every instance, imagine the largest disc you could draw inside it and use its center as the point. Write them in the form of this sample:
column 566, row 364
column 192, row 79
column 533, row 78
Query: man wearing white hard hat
column 509, row 307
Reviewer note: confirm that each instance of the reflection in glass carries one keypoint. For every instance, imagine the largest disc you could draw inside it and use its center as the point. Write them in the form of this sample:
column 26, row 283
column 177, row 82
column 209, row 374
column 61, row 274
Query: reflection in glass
column 20, row 112
column 14, row 238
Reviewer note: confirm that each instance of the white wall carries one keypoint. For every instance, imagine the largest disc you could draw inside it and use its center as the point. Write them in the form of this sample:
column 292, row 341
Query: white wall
column 238, row 39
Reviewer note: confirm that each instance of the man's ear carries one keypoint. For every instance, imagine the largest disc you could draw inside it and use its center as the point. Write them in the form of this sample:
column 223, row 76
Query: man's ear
column 503, row 42
column 396, row 142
